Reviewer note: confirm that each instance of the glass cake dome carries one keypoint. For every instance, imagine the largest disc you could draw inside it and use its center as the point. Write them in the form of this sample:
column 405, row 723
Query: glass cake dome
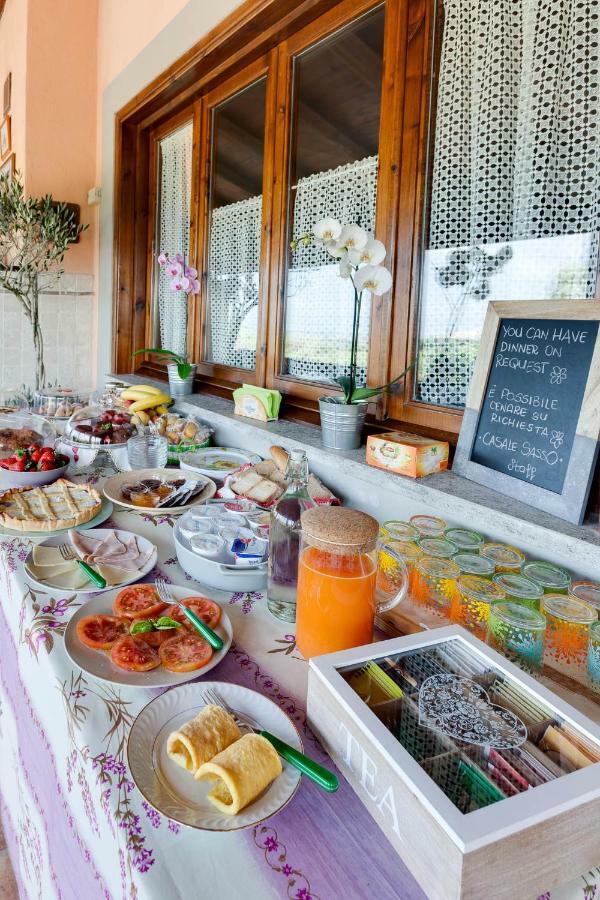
column 100, row 425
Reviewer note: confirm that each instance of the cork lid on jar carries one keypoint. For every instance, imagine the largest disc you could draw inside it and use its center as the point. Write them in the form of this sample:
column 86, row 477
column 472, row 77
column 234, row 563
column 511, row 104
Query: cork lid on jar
column 339, row 530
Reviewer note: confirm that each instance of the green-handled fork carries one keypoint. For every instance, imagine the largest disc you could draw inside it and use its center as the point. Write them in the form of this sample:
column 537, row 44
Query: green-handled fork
column 313, row 770
column 69, row 555
column 207, row 633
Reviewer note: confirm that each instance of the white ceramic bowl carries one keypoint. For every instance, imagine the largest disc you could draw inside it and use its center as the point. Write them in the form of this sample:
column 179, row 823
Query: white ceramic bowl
column 10, row 479
column 214, row 574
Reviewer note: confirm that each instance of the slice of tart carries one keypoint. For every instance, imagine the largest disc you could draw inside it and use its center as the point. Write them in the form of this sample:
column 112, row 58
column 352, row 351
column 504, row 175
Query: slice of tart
column 50, row 507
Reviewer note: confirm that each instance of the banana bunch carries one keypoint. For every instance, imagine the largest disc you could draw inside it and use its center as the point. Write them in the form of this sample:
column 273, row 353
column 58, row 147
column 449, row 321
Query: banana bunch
column 145, row 402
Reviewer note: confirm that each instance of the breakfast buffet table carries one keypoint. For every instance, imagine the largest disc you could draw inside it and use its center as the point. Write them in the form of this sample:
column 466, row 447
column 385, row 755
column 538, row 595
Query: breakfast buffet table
column 75, row 824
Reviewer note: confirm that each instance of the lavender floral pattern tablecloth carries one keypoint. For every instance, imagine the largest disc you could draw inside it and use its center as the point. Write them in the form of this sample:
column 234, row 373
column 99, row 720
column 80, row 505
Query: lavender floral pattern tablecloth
column 77, row 827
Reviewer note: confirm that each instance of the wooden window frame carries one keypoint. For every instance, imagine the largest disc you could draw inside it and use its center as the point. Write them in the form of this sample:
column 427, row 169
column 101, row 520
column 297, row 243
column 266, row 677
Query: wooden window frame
column 260, row 38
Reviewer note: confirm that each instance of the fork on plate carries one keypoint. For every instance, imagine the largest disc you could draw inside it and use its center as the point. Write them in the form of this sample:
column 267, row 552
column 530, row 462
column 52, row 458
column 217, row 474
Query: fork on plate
column 164, row 592
column 69, row 555
column 309, row 767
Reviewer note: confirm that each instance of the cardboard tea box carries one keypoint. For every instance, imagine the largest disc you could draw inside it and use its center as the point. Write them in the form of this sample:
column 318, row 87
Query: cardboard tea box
column 407, row 454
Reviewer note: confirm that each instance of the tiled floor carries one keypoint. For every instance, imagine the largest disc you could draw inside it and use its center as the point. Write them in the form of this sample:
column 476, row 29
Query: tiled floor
column 8, row 885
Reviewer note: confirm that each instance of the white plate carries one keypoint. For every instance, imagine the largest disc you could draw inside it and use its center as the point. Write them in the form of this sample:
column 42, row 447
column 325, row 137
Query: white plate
column 202, row 461
column 112, row 490
column 172, row 790
column 100, row 533
column 98, row 663
column 106, row 511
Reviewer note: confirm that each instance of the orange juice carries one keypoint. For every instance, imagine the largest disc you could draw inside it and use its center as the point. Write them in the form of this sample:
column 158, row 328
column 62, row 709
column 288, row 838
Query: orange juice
column 336, row 601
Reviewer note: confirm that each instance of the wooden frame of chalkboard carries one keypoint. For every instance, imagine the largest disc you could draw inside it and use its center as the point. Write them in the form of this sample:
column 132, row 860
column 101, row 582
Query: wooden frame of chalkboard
column 532, row 421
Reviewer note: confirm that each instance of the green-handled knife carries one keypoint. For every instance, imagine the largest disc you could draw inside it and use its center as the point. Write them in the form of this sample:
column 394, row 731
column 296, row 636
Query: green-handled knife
column 207, row 633
column 309, row 767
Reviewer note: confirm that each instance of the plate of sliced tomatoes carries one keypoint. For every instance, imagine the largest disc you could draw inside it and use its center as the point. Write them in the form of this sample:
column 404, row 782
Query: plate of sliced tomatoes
column 129, row 636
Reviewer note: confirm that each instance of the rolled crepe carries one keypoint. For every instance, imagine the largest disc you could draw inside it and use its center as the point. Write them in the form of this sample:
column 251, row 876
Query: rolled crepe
column 197, row 741
column 241, row 771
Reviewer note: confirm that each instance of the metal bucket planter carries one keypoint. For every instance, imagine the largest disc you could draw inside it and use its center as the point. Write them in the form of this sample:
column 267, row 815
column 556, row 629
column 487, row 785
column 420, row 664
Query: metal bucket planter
column 180, row 387
column 342, row 424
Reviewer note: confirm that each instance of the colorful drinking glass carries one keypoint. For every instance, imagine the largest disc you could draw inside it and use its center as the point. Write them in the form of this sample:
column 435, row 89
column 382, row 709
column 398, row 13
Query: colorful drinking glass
column 437, row 546
column 473, row 602
column 567, row 631
column 394, row 530
column 517, row 631
column 504, row 557
column 593, row 665
column 552, row 579
column 434, row 584
column 588, row 591
column 520, row 589
column 428, row 526
column 472, row 564
column 409, row 553
column 465, row 539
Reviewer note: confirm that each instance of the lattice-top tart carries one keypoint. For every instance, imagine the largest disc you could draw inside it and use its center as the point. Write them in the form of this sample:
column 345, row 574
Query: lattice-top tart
column 49, row 507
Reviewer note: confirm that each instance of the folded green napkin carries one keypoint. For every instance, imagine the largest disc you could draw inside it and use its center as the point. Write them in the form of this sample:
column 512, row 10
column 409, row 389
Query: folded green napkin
column 246, row 404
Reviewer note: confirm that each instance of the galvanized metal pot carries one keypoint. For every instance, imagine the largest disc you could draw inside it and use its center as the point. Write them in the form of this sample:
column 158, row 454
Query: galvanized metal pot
column 342, row 424
column 179, row 387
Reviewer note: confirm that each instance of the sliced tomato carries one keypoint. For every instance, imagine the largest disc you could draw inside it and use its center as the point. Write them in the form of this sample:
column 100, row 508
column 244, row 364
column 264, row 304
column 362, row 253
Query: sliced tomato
column 185, row 653
column 100, row 632
column 138, row 601
column 156, row 638
column 205, row 609
column 134, row 654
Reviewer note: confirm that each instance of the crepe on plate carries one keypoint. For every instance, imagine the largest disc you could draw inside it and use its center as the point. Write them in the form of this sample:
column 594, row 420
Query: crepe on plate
column 242, row 771
column 210, row 732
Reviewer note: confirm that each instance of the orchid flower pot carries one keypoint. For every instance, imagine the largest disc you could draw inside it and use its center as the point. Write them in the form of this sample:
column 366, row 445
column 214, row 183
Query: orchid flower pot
column 180, row 387
column 342, row 423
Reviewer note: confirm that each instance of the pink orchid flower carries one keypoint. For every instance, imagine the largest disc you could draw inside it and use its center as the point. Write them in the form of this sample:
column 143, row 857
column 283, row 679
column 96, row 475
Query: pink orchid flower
column 162, row 259
column 195, row 286
column 179, row 258
column 191, row 272
column 173, row 270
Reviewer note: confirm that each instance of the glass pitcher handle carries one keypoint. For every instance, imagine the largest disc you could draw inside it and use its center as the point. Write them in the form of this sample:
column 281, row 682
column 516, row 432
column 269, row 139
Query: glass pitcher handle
column 384, row 601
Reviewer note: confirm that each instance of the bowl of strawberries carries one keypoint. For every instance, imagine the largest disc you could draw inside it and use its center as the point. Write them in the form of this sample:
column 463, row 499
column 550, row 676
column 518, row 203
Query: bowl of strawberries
column 32, row 466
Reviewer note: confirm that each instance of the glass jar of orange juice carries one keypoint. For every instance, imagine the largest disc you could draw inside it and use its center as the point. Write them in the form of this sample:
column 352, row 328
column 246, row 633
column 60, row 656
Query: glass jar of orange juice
column 346, row 575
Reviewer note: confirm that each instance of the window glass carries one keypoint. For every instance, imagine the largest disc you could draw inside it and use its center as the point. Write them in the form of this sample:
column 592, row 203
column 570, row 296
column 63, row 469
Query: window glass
column 235, row 228
column 513, row 209
column 172, row 234
column 333, row 172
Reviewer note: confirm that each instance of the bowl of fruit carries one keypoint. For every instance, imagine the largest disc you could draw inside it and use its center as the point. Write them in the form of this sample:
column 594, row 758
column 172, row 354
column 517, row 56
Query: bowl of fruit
column 32, row 466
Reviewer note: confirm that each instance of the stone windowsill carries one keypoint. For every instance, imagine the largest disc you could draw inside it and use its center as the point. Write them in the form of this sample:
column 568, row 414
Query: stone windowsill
column 387, row 496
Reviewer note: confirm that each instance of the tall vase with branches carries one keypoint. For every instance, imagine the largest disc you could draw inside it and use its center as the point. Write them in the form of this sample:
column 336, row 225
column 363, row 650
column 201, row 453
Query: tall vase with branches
column 35, row 233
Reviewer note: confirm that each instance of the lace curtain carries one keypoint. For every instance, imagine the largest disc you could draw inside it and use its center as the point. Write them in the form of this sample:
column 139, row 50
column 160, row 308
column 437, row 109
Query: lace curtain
column 515, row 194
column 174, row 190
column 319, row 304
column 234, row 260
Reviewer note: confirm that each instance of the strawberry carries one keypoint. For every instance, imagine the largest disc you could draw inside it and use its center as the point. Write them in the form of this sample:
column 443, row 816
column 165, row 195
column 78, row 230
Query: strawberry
column 45, row 465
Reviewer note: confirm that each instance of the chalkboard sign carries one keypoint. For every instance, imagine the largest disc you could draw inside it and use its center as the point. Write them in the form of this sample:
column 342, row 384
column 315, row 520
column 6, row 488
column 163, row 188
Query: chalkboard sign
column 531, row 425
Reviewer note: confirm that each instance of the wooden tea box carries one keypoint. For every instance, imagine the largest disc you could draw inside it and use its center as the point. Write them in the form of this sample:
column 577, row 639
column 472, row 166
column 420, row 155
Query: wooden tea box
column 485, row 783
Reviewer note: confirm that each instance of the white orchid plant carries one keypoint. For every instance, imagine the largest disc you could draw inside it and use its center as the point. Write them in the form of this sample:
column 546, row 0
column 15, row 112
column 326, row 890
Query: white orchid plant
column 359, row 257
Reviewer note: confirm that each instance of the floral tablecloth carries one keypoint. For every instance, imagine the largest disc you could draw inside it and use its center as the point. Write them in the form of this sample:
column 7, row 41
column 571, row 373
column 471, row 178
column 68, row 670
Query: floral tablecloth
column 75, row 824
